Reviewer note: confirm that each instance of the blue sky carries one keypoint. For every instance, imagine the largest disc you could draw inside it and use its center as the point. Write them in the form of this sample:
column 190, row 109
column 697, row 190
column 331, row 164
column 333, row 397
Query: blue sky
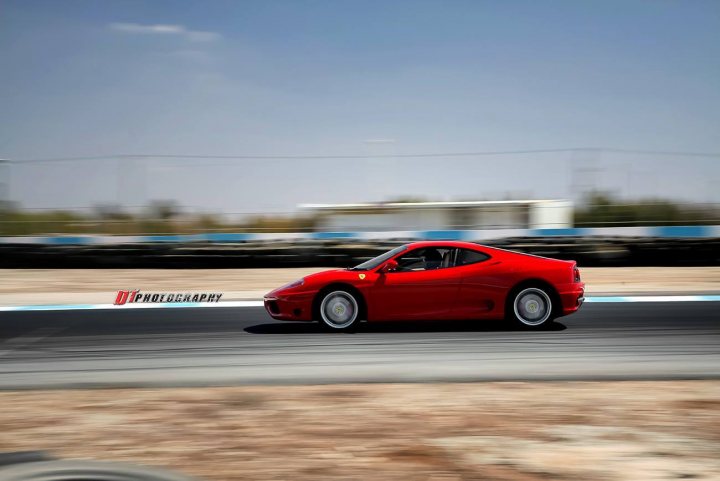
column 84, row 78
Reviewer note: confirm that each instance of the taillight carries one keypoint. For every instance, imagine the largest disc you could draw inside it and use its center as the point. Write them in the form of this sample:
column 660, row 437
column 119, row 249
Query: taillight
column 576, row 274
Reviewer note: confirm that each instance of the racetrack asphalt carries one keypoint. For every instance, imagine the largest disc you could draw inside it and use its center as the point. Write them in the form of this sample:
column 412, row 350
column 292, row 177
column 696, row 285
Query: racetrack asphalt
column 229, row 346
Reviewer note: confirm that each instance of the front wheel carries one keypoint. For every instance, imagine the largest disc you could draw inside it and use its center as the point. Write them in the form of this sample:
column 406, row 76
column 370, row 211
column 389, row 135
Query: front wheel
column 531, row 307
column 339, row 310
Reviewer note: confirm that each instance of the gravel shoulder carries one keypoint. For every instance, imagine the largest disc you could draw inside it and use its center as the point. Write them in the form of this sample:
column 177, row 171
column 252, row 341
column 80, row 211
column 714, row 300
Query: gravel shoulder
column 76, row 286
column 385, row 432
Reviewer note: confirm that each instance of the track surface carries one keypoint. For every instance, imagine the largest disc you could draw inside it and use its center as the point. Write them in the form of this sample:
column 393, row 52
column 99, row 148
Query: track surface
column 158, row 347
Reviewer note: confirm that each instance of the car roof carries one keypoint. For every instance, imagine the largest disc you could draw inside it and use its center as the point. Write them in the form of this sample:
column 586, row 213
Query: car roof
column 466, row 245
column 493, row 251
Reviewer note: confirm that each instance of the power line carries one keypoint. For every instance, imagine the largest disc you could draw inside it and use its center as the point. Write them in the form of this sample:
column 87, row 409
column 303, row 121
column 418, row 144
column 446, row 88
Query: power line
column 356, row 157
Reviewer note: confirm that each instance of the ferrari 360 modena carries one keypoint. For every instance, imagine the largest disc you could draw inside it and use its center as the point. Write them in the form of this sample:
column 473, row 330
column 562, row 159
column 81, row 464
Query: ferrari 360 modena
column 435, row 281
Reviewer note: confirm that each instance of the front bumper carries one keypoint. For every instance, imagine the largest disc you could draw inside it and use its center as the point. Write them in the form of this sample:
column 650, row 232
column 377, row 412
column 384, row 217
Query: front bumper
column 296, row 307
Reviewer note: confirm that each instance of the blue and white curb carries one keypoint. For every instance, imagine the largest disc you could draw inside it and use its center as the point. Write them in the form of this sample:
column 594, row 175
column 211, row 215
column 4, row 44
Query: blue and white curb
column 259, row 303
column 617, row 299
column 159, row 305
column 677, row 231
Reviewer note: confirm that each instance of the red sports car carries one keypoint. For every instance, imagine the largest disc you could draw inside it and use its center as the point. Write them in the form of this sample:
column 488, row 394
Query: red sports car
column 435, row 281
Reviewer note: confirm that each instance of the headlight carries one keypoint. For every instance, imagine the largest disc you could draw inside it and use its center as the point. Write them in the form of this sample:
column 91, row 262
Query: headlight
column 296, row 283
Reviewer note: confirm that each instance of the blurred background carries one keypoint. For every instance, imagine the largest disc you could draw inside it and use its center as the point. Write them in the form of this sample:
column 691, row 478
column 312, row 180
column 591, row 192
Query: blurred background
column 271, row 122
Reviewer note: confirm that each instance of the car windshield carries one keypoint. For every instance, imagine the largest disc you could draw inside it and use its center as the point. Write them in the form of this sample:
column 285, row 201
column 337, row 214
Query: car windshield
column 376, row 261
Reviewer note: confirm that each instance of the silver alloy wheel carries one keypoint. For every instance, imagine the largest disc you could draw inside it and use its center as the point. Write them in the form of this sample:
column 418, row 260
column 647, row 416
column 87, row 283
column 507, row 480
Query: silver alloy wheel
column 339, row 309
column 532, row 306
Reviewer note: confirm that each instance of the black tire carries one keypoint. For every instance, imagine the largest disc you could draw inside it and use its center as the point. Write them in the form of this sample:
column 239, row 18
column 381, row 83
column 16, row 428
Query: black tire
column 86, row 471
column 338, row 310
column 530, row 307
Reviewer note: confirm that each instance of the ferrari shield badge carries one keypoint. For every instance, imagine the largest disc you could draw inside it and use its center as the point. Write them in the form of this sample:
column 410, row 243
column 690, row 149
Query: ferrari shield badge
column 361, row 276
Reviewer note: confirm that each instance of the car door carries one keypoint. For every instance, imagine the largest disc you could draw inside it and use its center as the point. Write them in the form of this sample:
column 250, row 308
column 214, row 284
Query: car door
column 424, row 287
column 483, row 285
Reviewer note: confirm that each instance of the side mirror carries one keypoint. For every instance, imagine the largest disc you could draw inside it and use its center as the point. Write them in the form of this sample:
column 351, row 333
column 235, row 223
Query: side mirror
column 389, row 266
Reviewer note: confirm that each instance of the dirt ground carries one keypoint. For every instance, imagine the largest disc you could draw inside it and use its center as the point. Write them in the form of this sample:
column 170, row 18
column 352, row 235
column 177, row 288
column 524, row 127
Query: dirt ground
column 77, row 286
column 484, row 431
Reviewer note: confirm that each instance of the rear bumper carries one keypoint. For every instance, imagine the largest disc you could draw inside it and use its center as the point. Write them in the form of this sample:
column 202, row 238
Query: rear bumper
column 572, row 297
column 289, row 308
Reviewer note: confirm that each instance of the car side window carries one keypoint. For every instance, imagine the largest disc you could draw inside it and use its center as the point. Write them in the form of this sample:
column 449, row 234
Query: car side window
column 469, row 256
column 426, row 259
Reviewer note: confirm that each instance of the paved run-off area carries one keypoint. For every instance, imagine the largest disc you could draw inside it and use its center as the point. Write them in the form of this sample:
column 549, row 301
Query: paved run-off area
column 223, row 345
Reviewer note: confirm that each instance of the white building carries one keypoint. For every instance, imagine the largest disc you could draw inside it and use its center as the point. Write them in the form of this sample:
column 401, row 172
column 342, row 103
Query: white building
column 474, row 215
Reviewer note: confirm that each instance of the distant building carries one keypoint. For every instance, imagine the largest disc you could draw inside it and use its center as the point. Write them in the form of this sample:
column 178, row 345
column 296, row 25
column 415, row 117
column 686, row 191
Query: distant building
column 501, row 214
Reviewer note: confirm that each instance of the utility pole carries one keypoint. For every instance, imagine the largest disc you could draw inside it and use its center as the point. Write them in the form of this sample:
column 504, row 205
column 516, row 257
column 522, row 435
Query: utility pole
column 4, row 193
column 583, row 172
column 4, row 184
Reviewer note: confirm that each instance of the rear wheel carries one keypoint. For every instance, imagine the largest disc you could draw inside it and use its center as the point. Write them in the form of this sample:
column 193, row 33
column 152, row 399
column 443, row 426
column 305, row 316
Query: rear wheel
column 531, row 307
column 339, row 310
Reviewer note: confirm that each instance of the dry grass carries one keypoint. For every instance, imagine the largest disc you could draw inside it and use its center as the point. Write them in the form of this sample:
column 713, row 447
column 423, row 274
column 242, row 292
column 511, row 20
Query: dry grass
column 494, row 431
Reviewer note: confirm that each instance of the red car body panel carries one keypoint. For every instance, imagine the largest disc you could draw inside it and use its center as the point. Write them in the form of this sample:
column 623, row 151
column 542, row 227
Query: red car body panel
column 473, row 291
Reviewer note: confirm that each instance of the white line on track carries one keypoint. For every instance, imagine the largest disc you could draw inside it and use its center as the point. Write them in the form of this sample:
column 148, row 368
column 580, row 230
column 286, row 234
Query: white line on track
column 653, row 299
column 140, row 305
